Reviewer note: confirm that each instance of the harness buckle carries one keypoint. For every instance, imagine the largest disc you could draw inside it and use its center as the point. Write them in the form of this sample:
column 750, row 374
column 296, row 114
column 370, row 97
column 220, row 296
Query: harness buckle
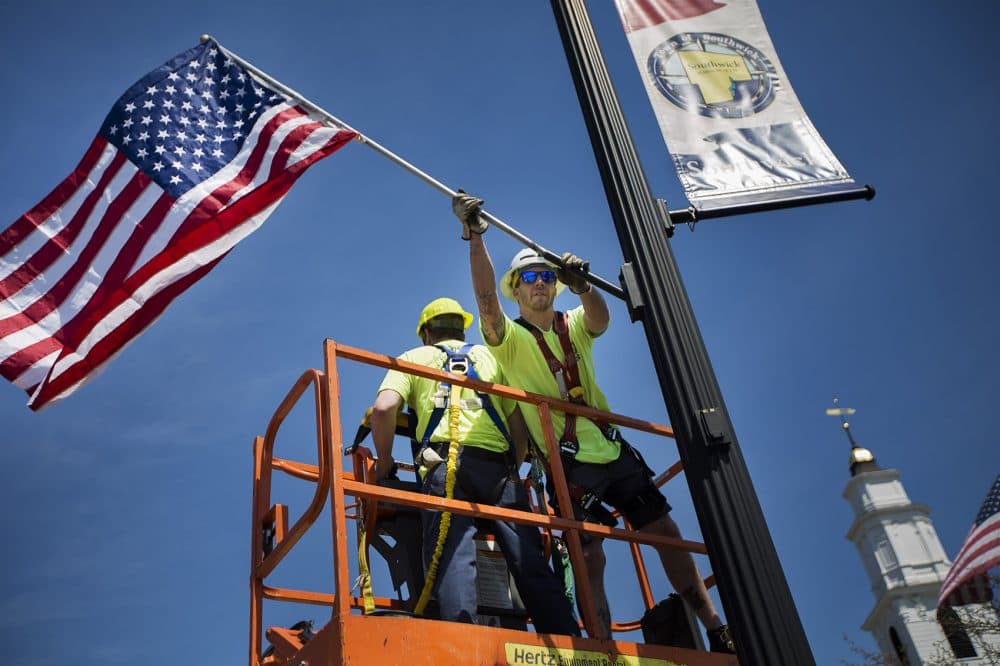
column 561, row 384
column 458, row 365
column 440, row 398
column 569, row 447
column 612, row 434
column 595, row 511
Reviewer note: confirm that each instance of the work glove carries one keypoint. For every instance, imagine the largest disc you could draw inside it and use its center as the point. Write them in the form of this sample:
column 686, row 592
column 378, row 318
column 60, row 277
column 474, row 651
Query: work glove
column 466, row 209
column 570, row 273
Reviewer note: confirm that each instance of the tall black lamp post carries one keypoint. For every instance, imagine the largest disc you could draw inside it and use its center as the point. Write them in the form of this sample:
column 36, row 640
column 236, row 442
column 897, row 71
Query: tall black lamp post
column 752, row 586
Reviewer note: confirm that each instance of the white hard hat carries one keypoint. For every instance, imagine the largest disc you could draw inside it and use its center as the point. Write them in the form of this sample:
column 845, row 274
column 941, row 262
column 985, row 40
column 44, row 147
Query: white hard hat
column 524, row 259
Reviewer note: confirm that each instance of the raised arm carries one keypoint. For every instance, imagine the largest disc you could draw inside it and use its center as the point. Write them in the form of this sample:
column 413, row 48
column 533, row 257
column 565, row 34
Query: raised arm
column 595, row 310
column 484, row 284
column 484, row 280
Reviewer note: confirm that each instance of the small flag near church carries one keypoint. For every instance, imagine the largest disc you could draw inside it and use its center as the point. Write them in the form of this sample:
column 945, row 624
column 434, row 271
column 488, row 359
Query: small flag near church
column 190, row 160
column 967, row 581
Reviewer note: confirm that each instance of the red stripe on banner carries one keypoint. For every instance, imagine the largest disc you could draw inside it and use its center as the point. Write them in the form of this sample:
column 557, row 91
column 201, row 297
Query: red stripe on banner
column 197, row 238
column 639, row 14
column 59, row 291
column 59, row 244
column 27, row 223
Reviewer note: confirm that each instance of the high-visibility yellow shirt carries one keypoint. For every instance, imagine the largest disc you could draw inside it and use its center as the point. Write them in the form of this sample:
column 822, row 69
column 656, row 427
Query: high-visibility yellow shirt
column 475, row 428
column 525, row 367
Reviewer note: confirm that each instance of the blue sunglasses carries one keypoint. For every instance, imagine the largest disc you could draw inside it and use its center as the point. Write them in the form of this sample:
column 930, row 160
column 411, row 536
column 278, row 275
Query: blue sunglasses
column 529, row 277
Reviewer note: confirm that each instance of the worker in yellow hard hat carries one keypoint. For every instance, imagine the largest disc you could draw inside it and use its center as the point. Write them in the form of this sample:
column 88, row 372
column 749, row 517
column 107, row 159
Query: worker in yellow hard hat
column 470, row 447
column 550, row 352
column 440, row 307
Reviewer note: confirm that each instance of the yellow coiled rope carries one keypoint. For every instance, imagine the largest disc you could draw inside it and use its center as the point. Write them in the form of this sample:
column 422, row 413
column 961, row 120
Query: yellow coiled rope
column 454, row 409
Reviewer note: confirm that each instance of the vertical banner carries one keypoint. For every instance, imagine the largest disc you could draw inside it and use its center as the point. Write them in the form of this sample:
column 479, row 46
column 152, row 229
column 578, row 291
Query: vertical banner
column 735, row 129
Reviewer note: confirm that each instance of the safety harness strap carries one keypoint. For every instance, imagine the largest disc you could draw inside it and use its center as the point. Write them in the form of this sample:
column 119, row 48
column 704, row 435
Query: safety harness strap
column 364, row 580
column 460, row 363
column 451, row 469
column 567, row 376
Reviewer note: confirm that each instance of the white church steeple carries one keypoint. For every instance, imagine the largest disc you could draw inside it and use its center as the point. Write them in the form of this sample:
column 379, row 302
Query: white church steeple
column 903, row 558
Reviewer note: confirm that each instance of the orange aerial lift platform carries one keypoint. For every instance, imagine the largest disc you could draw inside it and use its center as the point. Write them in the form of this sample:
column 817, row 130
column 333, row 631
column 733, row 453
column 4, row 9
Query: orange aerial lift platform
column 370, row 629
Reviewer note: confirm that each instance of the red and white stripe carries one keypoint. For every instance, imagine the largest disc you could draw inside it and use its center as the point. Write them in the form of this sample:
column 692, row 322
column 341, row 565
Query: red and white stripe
column 99, row 259
column 639, row 14
column 980, row 552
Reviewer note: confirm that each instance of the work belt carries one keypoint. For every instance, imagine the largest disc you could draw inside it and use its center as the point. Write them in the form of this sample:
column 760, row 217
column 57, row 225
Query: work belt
column 505, row 459
column 441, row 448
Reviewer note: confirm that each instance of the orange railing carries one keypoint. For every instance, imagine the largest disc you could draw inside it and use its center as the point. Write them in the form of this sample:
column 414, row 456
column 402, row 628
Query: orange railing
column 329, row 476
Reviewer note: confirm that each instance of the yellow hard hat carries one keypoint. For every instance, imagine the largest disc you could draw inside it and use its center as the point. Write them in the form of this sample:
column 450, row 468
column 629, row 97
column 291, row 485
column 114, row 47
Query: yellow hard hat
column 443, row 306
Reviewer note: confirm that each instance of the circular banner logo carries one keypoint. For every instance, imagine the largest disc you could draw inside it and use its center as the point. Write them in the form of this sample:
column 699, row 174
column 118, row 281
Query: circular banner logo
column 716, row 75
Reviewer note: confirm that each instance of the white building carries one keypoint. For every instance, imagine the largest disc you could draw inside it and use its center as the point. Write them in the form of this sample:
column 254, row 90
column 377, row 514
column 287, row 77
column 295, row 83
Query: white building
column 906, row 565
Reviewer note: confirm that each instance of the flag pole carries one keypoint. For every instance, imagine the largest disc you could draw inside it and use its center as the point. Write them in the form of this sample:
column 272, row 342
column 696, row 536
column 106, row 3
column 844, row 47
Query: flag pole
column 594, row 279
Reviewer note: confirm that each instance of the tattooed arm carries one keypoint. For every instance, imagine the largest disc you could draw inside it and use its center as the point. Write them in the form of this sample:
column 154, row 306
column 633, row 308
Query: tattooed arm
column 484, row 283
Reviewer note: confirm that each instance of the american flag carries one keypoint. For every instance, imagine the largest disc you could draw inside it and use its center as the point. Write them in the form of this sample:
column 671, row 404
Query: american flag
column 190, row 160
column 967, row 580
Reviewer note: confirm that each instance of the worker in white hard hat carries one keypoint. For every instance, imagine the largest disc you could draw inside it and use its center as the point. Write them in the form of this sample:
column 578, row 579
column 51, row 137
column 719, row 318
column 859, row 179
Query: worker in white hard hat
column 471, row 444
column 550, row 352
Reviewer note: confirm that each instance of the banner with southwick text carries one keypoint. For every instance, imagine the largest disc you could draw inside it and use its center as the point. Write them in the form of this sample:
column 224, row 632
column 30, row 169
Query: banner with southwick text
column 735, row 129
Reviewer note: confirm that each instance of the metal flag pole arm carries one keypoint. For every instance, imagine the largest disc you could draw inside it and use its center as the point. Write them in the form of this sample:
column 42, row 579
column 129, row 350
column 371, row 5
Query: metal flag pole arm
column 594, row 279
column 692, row 215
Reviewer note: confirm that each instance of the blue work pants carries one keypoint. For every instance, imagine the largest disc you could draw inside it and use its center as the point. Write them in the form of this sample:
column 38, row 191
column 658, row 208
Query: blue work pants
column 490, row 481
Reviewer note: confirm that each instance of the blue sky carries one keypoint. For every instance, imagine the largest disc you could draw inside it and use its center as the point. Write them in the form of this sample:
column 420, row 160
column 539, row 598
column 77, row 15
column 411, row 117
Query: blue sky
column 128, row 504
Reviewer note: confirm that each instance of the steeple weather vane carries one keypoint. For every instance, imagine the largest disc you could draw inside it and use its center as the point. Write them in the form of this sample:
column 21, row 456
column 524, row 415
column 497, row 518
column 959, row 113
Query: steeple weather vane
column 861, row 459
column 843, row 413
